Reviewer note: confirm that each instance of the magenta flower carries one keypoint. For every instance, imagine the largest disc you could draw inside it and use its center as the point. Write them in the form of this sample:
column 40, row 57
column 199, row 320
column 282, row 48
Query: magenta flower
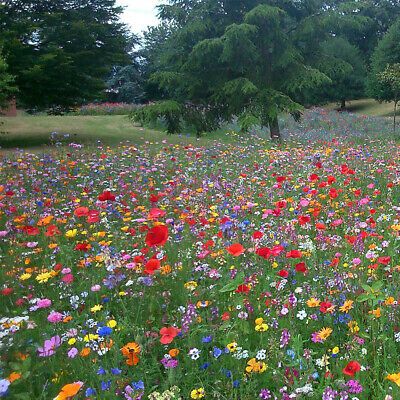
column 55, row 317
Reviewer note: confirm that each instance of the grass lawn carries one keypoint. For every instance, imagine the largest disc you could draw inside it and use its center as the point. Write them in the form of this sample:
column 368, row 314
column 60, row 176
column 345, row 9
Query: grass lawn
column 34, row 131
column 27, row 131
column 367, row 107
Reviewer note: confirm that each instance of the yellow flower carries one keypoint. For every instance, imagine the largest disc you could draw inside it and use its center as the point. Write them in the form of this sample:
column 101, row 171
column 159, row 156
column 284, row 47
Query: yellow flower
column 313, row 302
column 347, row 306
column 255, row 366
column 353, row 326
column 191, row 285
column 112, row 323
column 71, row 341
column 259, row 321
column 197, row 393
column 90, row 336
column 24, row 277
column 394, row 378
column 96, row 308
column 261, row 328
column 71, row 233
column 324, row 333
column 231, row 346
column 335, row 350
column 389, row 301
column 44, row 277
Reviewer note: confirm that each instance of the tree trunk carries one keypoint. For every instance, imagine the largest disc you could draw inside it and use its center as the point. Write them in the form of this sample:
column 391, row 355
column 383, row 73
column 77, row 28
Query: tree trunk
column 343, row 105
column 274, row 129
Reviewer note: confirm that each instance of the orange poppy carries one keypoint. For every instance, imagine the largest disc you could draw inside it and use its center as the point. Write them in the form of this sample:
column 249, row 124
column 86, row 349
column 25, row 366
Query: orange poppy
column 69, row 391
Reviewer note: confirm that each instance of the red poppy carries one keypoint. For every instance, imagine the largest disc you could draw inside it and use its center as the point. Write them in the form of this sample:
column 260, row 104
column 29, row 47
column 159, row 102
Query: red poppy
column 283, row 273
column 7, row 291
column 157, row 236
column 304, row 219
column 325, row 307
column 168, row 334
column 156, row 213
column 257, row 235
column 384, row 260
column 31, row 230
column 243, row 289
column 154, row 198
column 81, row 212
column 106, row 195
column 51, row 230
column 152, row 266
column 301, row 267
column 235, row 249
column 83, row 247
column 93, row 216
column 352, row 368
column 225, row 316
column 294, row 254
column 264, row 252
column 333, row 193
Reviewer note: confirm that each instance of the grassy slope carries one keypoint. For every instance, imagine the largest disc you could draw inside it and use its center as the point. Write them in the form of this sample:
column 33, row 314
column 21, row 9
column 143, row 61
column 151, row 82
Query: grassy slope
column 367, row 107
column 32, row 131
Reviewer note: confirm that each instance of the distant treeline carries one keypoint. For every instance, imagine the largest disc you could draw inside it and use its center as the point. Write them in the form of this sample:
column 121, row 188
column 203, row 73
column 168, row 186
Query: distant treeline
column 206, row 62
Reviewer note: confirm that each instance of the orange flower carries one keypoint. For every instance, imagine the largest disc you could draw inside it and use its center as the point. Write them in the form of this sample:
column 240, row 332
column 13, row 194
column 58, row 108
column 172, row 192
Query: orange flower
column 173, row 352
column 45, row 221
column 14, row 376
column 85, row 352
column 131, row 351
column 69, row 391
column 235, row 249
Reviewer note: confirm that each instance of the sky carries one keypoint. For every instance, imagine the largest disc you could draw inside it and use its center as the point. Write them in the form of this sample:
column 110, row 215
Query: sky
column 139, row 14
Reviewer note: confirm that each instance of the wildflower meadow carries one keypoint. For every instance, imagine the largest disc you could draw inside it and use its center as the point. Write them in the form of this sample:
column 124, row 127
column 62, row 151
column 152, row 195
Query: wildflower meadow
column 233, row 270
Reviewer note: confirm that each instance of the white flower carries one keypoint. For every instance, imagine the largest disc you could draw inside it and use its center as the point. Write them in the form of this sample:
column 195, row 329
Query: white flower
column 301, row 315
column 261, row 354
column 194, row 353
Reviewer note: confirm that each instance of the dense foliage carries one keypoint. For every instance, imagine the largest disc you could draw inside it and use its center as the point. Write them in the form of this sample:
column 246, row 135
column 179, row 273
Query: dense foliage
column 7, row 88
column 62, row 51
column 253, row 59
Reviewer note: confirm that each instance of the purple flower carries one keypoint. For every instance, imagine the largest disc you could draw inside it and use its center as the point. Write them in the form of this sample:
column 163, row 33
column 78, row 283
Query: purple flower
column 49, row 346
column 72, row 353
column 354, row 386
column 265, row 394
column 169, row 363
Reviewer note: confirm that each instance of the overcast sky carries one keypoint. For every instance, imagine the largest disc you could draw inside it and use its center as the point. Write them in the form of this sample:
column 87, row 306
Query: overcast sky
column 140, row 14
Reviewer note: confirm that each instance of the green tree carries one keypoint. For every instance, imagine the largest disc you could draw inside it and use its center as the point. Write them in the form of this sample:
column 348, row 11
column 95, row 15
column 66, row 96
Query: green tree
column 7, row 87
column 61, row 52
column 243, row 58
column 390, row 77
column 343, row 63
column 386, row 53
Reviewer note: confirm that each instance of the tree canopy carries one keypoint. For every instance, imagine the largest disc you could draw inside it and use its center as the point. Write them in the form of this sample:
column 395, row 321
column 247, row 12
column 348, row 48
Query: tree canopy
column 62, row 51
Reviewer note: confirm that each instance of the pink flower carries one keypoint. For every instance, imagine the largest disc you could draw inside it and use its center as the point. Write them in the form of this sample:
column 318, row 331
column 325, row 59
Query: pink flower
column 65, row 271
column 49, row 346
column 69, row 278
column 95, row 288
column 43, row 303
column 55, row 317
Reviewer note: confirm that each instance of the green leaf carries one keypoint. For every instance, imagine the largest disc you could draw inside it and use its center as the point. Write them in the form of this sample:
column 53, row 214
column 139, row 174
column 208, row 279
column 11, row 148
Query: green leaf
column 233, row 284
